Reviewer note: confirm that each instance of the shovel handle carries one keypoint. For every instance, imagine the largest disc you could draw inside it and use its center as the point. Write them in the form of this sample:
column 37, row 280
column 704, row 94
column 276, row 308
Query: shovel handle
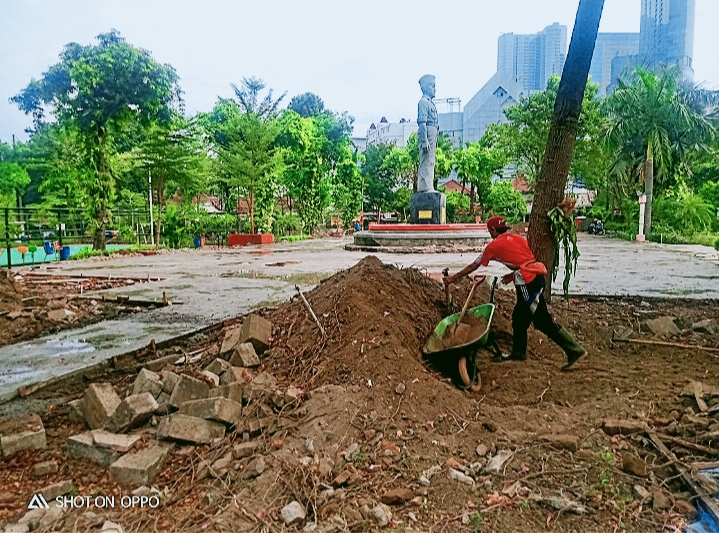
column 477, row 281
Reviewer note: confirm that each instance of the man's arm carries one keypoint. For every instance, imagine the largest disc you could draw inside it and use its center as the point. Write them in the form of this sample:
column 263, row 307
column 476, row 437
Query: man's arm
column 483, row 260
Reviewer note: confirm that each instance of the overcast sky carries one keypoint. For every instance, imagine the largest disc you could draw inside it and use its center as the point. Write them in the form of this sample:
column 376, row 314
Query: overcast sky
column 362, row 57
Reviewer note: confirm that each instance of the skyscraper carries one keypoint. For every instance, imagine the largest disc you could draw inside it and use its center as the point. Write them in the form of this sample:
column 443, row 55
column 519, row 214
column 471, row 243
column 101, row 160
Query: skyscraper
column 608, row 47
column 667, row 33
column 530, row 60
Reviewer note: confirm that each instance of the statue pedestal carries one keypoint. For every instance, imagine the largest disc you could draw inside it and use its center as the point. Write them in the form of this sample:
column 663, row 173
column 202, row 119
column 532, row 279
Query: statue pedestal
column 428, row 208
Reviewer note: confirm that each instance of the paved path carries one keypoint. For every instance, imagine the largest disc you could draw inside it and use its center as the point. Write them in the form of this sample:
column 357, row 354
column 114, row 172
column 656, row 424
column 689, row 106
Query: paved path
column 217, row 284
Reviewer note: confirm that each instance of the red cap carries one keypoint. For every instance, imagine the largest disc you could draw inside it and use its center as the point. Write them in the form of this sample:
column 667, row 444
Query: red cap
column 497, row 222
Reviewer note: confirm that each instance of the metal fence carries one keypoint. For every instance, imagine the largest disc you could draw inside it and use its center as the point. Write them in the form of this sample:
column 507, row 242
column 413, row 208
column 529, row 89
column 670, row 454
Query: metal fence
column 35, row 235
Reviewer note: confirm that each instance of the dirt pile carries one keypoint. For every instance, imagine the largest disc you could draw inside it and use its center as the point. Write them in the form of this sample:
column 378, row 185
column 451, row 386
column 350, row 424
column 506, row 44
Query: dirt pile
column 9, row 296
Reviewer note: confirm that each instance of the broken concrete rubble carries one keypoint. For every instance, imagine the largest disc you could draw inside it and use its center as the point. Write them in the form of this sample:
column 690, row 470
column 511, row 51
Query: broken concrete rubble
column 246, row 449
column 623, row 427
column 563, row 442
column 231, row 392
column 256, row 330
column 232, row 339
column 83, row 446
column 293, row 513
column 664, row 326
column 99, row 404
column 132, row 412
column 57, row 489
column 218, row 409
column 116, row 442
column 25, row 433
column 188, row 388
column 169, row 380
column 218, row 366
column 263, row 384
column 141, row 467
column 244, row 355
column 147, row 381
column 235, row 374
column 708, row 327
column 186, row 428
column 45, row 468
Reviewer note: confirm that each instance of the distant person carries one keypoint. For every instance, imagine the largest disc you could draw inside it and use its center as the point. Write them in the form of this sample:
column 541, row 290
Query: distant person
column 358, row 226
column 528, row 276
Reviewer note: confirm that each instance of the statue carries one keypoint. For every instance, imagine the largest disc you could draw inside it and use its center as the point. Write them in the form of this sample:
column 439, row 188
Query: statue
column 428, row 129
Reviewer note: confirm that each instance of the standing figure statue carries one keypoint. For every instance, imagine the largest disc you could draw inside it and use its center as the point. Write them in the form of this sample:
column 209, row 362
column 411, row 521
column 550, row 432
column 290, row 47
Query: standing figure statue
column 427, row 132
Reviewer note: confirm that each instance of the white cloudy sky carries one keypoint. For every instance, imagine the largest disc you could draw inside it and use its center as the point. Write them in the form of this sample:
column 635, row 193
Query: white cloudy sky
column 363, row 57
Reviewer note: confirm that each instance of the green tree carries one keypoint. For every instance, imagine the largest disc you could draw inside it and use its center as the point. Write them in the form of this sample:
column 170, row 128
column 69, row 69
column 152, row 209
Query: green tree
column 476, row 163
column 652, row 124
column 307, row 105
column 504, row 200
column 99, row 89
column 243, row 135
column 13, row 177
column 710, row 193
column 175, row 157
column 380, row 181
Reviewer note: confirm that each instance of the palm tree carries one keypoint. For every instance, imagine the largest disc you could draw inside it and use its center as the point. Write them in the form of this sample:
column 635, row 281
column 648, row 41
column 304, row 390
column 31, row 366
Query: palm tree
column 654, row 120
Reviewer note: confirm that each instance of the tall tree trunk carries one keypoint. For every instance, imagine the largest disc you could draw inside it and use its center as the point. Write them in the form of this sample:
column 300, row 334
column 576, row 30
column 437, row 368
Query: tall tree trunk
column 471, row 200
column 552, row 180
column 251, row 201
column 160, row 205
column 648, row 190
column 98, row 242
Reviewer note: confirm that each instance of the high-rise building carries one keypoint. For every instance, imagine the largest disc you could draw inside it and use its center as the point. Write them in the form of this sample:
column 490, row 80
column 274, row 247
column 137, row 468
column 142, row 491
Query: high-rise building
column 610, row 46
column 530, row 60
column 667, row 33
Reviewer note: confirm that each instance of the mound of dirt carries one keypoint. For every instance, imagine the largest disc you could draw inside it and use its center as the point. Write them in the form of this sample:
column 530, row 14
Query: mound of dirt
column 9, row 295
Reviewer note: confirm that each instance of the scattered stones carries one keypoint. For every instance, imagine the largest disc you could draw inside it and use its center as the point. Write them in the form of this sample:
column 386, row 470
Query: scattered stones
column 17, row 528
column 256, row 330
column 663, row 326
column 44, row 469
column 31, row 519
column 232, row 339
column 490, row 426
column 24, row 433
column 560, row 504
column 186, row 428
column 563, row 442
column 113, row 441
column 231, row 392
column 222, row 464
column 244, row 355
column 188, row 388
column 632, row 464
column 400, row 388
column 293, row 395
column 82, row 446
column 147, row 381
column 254, row 468
column 398, row 496
column 641, row 493
column 661, row 500
column 163, row 404
column 482, row 450
column 246, row 449
column 381, row 514
column 57, row 489
column 75, row 412
column 51, row 517
column 424, row 481
column 685, row 509
column 212, row 379
column 341, row 480
column 235, row 374
column 278, row 398
column 456, row 475
column 99, row 404
column 623, row 427
column 58, row 315
column 496, row 463
column 263, row 384
column 293, row 513
column 623, row 332
column 111, row 527
column 132, row 412
column 141, row 467
column 218, row 409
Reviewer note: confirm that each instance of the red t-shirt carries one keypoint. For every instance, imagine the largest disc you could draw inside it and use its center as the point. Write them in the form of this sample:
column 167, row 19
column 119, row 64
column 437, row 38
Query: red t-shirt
column 511, row 250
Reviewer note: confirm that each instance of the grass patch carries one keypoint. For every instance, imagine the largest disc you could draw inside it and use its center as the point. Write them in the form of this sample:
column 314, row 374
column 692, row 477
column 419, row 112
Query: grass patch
column 292, row 238
column 88, row 252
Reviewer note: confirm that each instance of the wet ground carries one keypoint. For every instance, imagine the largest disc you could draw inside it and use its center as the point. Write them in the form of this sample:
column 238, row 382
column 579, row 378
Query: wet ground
column 214, row 284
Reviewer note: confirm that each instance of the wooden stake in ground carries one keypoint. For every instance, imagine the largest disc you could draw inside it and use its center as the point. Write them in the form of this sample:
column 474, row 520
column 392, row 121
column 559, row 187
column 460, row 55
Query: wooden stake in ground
column 552, row 180
column 309, row 308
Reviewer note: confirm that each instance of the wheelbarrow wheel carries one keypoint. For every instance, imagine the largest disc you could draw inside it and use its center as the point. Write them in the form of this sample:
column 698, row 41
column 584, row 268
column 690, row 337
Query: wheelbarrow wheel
column 467, row 381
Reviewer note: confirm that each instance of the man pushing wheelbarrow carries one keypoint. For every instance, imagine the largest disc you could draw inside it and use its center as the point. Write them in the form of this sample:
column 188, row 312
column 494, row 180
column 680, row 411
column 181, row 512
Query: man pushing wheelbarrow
column 528, row 275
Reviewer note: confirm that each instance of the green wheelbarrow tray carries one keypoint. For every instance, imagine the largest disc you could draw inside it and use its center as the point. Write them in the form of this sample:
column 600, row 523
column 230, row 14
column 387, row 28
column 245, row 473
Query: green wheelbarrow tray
column 480, row 319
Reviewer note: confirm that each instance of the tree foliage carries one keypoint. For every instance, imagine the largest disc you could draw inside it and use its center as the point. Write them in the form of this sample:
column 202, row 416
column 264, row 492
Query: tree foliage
column 307, row 105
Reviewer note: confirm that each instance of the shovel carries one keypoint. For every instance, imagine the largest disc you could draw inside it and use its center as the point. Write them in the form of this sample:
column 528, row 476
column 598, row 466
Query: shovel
column 458, row 331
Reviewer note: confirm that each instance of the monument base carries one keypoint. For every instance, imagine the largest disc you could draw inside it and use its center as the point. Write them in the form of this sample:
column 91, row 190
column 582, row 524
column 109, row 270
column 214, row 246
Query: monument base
column 428, row 208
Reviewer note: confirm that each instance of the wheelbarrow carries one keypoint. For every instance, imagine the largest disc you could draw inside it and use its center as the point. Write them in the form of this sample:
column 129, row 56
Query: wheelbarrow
column 462, row 335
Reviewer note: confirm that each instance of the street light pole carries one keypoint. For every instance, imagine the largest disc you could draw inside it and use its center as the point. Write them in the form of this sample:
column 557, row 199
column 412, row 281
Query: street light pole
column 152, row 222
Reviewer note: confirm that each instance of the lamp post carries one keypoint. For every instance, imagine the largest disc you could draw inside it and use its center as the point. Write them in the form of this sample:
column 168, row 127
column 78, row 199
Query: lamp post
column 152, row 222
column 642, row 207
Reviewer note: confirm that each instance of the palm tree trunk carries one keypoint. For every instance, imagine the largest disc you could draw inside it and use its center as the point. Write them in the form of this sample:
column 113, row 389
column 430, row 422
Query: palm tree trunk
column 562, row 137
column 471, row 200
column 648, row 190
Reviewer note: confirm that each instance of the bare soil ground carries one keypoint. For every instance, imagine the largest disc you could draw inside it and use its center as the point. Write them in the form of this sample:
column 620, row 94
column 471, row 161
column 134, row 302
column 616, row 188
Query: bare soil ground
column 378, row 414
column 26, row 301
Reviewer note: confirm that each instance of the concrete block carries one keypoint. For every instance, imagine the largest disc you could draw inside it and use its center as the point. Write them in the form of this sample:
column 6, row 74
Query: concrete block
column 707, row 326
column 186, row 428
column 244, row 355
column 32, row 518
column 663, row 326
column 23, row 433
column 51, row 518
column 99, row 404
column 293, row 513
column 45, row 468
column 113, row 441
column 623, row 427
column 212, row 379
column 82, row 446
column 57, row 489
column 188, row 388
column 263, row 384
column 232, row 338
column 132, row 412
column 217, row 409
column 163, row 403
column 428, row 208
column 231, row 392
column 141, row 467
column 218, row 366
column 147, row 381
column 169, row 380
column 258, row 331
column 18, row 528
column 75, row 414
column 235, row 374
column 246, row 449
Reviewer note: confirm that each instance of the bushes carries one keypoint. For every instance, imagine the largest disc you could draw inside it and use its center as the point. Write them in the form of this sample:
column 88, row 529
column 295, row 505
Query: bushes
column 716, row 243
column 287, row 224
column 456, row 201
column 505, row 201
